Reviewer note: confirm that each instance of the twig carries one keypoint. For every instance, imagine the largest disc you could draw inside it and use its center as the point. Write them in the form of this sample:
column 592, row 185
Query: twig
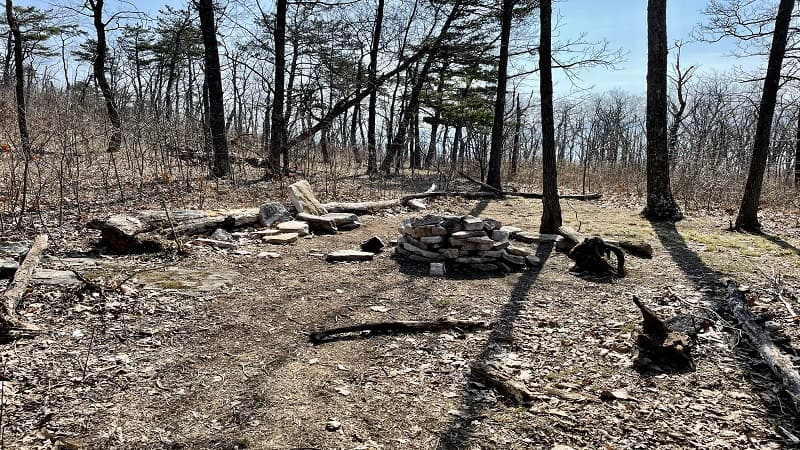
column 2, row 407
column 88, row 354
column 172, row 227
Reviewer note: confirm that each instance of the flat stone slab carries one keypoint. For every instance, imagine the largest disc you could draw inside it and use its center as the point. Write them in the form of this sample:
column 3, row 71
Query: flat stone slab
column 294, row 226
column 221, row 235
column 262, row 233
column 530, row 238
column 50, row 277
column 216, row 243
column 281, row 239
column 349, row 256
column 517, row 251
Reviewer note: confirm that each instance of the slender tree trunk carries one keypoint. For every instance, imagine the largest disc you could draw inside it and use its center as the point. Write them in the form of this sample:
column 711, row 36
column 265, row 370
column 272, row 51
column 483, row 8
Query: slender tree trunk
column 747, row 218
column 551, row 208
column 354, row 120
column 493, row 178
column 660, row 203
column 216, row 104
column 22, row 117
column 517, row 133
column 277, row 136
column 372, row 149
column 99, row 67
column 797, row 153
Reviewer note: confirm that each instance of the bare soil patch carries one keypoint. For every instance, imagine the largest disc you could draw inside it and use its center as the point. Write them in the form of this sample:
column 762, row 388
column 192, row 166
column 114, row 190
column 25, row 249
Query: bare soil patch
column 211, row 350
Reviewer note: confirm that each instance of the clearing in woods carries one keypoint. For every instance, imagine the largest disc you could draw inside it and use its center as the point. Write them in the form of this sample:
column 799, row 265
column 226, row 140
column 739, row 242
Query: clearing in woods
column 211, row 350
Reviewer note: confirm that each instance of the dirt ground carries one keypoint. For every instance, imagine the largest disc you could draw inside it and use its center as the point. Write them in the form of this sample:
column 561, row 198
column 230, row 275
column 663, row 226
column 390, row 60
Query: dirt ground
column 212, row 351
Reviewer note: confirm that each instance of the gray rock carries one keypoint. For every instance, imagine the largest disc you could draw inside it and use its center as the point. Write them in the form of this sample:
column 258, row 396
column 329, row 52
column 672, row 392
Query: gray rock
column 348, row 226
column 428, row 230
column 294, row 226
column 514, row 259
column 271, row 213
column 349, row 256
column 304, row 200
column 318, row 224
column 517, row 251
column 64, row 278
column 427, row 220
column 8, row 267
column 216, row 243
column 432, row 239
column 281, row 239
column 269, row 255
column 467, row 234
column 485, row 267
column 373, row 245
column 532, row 260
column 469, row 223
column 434, row 256
column 510, row 230
column 473, row 260
column 490, row 254
column 449, row 253
column 221, row 235
column 14, row 250
column 500, row 235
column 491, row 224
column 452, row 224
column 436, row 269
column 261, row 233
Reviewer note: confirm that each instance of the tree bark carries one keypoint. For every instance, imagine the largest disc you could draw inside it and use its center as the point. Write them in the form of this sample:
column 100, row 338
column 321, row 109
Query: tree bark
column 797, row 153
column 517, row 135
column 278, row 132
column 372, row 148
column 493, row 178
column 19, row 75
column 551, row 212
column 216, row 104
column 747, row 219
column 99, row 66
column 660, row 203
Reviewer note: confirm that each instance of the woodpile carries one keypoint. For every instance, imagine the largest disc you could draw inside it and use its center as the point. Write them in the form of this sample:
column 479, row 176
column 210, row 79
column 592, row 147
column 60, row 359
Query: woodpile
column 480, row 244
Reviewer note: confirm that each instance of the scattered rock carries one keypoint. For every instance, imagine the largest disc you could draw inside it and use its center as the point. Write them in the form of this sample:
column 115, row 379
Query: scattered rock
column 15, row 250
column 333, row 425
column 281, row 239
column 304, row 200
column 270, row 255
column 64, row 278
column 437, row 269
column 216, row 243
column 221, row 235
column 271, row 213
column 373, row 245
column 349, row 256
column 294, row 226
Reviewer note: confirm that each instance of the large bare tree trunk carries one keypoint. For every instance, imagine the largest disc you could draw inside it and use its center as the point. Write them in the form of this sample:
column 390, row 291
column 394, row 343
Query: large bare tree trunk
column 99, row 66
column 278, row 132
column 747, row 219
column 551, row 213
column 660, row 203
column 493, row 178
column 216, row 104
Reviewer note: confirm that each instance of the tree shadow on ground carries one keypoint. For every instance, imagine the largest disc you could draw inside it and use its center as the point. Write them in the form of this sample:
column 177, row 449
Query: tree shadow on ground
column 706, row 281
column 462, row 428
column 777, row 240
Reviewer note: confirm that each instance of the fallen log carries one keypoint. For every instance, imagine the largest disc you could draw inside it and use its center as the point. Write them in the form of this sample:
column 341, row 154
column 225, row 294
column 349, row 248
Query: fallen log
column 152, row 230
column 501, row 193
column 502, row 382
column 780, row 364
column 573, row 238
column 407, row 200
column 9, row 320
column 400, row 327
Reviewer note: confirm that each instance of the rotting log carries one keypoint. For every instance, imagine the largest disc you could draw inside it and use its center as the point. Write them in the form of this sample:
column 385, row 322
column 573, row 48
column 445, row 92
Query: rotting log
column 12, row 296
column 400, row 327
column 362, row 208
column 151, row 230
column 780, row 364
column 502, row 382
column 573, row 238
column 590, row 256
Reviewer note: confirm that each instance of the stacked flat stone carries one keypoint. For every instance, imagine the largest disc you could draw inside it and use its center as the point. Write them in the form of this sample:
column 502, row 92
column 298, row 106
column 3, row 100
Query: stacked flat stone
column 481, row 244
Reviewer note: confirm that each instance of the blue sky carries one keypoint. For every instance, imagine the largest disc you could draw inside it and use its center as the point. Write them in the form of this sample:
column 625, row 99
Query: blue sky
column 623, row 23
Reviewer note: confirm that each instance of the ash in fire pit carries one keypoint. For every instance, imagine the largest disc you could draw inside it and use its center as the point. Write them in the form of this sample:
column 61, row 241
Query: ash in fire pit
column 481, row 244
